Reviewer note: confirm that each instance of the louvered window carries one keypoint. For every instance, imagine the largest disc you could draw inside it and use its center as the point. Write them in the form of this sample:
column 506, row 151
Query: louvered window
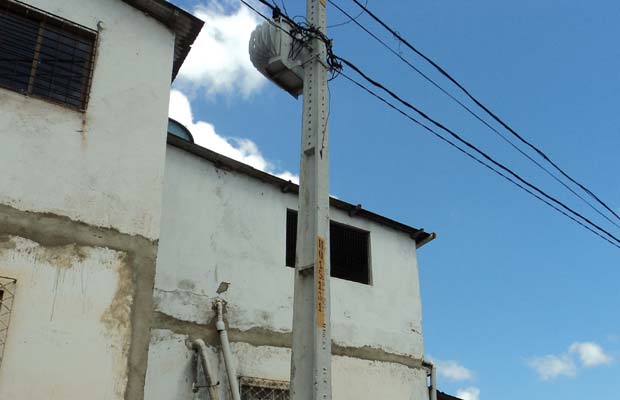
column 349, row 249
column 45, row 56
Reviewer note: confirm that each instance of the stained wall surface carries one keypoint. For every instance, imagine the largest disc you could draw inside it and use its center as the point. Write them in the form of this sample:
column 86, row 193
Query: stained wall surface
column 80, row 204
column 103, row 166
column 220, row 226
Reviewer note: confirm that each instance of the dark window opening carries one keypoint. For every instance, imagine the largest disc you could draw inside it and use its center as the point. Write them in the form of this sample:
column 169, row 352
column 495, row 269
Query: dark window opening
column 349, row 249
column 45, row 56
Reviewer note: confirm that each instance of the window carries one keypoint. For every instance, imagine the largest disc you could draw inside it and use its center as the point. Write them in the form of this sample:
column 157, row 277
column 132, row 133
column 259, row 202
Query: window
column 263, row 389
column 349, row 249
column 45, row 56
column 7, row 292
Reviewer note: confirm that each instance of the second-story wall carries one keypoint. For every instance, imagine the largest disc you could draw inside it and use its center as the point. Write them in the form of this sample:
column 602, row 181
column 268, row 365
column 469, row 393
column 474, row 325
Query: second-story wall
column 225, row 230
column 103, row 166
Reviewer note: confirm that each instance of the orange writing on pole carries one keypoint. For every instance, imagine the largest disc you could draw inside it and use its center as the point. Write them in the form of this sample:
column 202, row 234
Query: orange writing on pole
column 320, row 285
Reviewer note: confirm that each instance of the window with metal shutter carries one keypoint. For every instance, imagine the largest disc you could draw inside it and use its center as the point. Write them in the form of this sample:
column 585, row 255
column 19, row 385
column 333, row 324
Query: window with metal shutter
column 349, row 249
column 45, row 56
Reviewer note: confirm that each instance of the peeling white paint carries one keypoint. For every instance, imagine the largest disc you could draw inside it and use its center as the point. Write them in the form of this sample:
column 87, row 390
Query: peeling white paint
column 169, row 375
column 70, row 329
column 105, row 166
column 57, row 346
column 222, row 226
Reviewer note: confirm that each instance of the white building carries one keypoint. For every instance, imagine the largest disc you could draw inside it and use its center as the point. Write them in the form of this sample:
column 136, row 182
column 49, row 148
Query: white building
column 83, row 113
column 111, row 263
column 228, row 226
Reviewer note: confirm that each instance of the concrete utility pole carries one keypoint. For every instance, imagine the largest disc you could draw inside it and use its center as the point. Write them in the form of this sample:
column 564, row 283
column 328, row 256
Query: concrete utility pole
column 311, row 360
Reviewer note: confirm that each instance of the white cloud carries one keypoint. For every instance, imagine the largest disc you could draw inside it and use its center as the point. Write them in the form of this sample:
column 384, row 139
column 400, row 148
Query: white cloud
column 204, row 133
column 552, row 366
column 470, row 393
column 590, row 354
column 219, row 60
column 453, row 371
column 288, row 176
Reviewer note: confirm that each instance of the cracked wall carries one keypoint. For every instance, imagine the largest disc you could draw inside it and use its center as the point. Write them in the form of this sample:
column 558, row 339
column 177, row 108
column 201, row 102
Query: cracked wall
column 80, row 204
column 104, row 166
column 223, row 235
column 81, row 314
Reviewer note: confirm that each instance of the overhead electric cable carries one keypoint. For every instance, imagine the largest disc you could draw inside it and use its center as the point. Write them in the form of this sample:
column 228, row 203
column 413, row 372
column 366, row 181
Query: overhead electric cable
column 487, row 110
column 302, row 33
column 468, row 154
column 273, row 8
column 456, row 136
column 351, row 18
column 286, row 11
column 470, row 111
column 473, row 147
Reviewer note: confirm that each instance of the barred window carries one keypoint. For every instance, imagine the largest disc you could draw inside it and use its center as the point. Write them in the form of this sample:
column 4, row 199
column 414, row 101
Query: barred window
column 263, row 389
column 45, row 56
column 7, row 292
column 349, row 249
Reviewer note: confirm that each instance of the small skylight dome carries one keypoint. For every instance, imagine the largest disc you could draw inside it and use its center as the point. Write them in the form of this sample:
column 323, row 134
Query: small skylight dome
column 177, row 129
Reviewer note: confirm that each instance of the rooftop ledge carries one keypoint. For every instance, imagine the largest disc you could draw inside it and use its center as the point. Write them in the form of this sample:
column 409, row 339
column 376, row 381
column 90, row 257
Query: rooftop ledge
column 418, row 235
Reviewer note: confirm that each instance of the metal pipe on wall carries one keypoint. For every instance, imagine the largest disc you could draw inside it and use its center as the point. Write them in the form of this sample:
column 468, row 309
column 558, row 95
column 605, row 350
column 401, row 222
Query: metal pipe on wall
column 228, row 359
column 432, row 388
column 434, row 383
column 200, row 348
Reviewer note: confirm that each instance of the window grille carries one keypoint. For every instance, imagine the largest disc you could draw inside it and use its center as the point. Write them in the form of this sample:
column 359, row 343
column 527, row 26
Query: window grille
column 349, row 249
column 45, row 56
column 7, row 293
column 263, row 389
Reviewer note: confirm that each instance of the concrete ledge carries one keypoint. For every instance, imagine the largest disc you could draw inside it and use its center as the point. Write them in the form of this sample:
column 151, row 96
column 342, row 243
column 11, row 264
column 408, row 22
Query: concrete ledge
column 53, row 231
column 265, row 337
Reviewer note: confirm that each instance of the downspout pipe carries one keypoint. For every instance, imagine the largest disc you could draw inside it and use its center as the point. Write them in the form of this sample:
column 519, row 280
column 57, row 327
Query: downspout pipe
column 432, row 389
column 228, row 359
column 200, row 348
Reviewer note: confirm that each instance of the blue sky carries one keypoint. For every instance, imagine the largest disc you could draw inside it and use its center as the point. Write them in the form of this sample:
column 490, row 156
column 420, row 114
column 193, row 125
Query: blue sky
column 519, row 302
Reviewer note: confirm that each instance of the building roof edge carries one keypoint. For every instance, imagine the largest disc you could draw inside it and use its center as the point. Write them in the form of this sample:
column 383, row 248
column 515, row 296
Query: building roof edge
column 418, row 235
column 185, row 26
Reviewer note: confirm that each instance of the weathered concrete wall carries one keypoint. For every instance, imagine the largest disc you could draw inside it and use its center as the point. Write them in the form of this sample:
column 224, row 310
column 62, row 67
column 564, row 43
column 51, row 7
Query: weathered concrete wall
column 81, row 316
column 353, row 378
column 105, row 166
column 221, row 226
column 80, row 203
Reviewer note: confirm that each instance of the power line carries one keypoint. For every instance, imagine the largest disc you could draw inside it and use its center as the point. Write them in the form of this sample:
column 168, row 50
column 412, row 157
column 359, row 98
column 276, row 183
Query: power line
column 470, row 111
column 468, row 154
column 476, row 159
column 351, row 18
column 487, row 110
column 264, row 16
column 456, row 136
column 286, row 11
column 273, row 8
column 302, row 33
column 473, row 147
